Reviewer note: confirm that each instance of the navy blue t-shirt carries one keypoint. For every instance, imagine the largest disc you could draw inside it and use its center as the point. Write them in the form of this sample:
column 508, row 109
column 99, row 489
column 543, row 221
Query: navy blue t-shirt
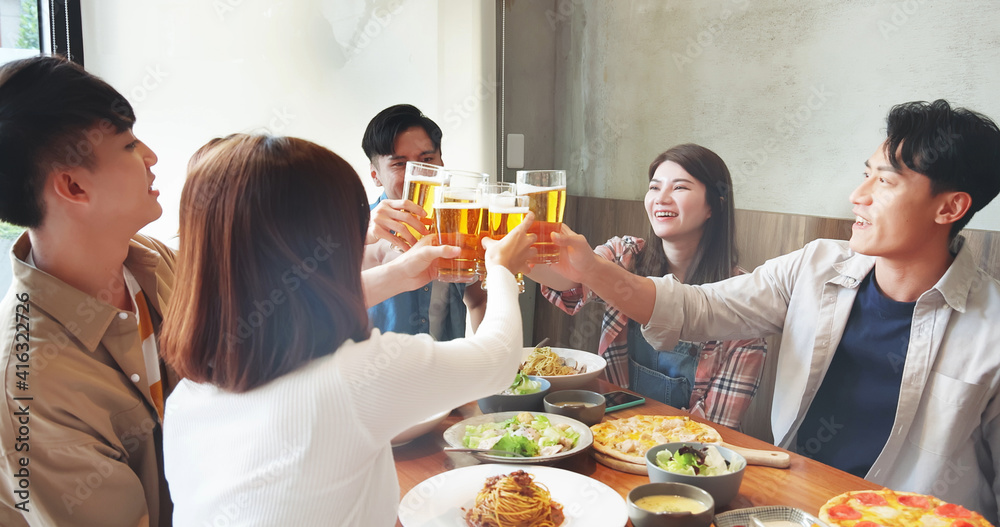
column 852, row 415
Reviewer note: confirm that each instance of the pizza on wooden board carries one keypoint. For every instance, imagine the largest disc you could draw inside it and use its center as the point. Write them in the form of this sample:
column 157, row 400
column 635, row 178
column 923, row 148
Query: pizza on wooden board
column 888, row 508
column 628, row 439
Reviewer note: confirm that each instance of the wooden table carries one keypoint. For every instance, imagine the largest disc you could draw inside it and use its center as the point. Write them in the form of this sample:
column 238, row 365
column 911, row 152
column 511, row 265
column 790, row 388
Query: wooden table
column 806, row 485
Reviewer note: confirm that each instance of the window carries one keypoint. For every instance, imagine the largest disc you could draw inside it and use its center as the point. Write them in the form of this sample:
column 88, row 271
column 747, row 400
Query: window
column 20, row 37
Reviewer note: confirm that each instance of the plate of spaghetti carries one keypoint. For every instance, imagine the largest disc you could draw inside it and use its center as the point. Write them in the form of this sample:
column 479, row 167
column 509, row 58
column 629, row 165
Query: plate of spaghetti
column 564, row 368
column 512, row 496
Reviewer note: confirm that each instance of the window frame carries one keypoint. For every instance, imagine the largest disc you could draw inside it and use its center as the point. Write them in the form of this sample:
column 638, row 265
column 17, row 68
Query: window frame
column 64, row 25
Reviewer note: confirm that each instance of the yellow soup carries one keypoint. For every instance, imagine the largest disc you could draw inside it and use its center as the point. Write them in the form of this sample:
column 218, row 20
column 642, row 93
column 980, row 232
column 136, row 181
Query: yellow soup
column 663, row 503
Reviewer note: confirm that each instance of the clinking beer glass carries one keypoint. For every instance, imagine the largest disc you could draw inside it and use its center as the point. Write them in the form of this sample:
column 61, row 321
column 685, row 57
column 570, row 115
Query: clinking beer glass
column 474, row 180
column 506, row 212
column 458, row 217
column 546, row 191
column 488, row 190
column 420, row 182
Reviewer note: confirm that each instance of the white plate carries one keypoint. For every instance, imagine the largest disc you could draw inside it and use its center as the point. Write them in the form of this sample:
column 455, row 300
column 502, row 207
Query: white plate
column 595, row 365
column 771, row 516
column 456, row 432
column 437, row 501
column 419, row 429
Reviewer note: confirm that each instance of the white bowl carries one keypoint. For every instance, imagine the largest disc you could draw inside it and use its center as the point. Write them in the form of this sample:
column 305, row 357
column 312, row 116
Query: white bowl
column 595, row 365
column 419, row 429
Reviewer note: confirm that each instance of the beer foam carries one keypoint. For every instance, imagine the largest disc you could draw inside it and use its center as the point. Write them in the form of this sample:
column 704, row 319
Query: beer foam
column 503, row 200
column 509, row 210
column 524, row 188
column 460, row 205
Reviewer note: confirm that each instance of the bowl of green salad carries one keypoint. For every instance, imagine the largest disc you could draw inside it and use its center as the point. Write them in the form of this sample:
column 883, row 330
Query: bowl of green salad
column 712, row 468
column 524, row 394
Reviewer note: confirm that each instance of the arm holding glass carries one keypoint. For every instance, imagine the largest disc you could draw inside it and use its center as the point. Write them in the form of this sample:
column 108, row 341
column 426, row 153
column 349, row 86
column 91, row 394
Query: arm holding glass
column 545, row 275
column 405, row 272
column 418, row 266
column 570, row 296
column 631, row 294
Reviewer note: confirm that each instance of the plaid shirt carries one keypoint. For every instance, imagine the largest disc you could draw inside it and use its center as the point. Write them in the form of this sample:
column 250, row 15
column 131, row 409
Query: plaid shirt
column 728, row 372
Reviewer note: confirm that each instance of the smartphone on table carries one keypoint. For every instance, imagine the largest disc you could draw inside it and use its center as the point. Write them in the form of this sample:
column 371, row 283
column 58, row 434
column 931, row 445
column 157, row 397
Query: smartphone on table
column 618, row 400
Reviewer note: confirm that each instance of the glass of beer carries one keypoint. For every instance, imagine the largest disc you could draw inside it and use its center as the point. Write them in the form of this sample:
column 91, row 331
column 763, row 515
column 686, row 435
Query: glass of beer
column 546, row 191
column 506, row 211
column 466, row 179
column 458, row 216
column 419, row 183
column 474, row 180
column 488, row 190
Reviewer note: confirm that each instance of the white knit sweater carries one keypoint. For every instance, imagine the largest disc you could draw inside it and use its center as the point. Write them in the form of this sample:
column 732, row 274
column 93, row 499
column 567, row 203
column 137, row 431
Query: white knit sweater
column 312, row 447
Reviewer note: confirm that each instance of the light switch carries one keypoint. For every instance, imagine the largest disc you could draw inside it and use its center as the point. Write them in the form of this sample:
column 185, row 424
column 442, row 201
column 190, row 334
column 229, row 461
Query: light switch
column 515, row 150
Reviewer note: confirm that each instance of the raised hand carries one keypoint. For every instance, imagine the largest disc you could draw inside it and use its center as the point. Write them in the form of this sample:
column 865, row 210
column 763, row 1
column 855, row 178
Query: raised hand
column 406, row 272
column 514, row 250
column 577, row 260
column 388, row 220
column 418, row 266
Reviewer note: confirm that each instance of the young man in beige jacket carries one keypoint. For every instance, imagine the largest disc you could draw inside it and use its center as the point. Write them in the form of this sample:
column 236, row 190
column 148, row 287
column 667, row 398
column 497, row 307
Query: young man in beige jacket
column 83, row 385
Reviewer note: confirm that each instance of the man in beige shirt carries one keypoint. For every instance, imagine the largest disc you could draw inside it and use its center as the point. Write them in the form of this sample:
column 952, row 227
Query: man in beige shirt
column 83, row 386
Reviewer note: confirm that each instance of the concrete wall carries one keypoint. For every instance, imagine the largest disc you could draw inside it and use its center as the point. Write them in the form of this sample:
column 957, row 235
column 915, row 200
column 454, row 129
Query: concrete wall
column 530, row 81
column 793, row 95
column 317, row 69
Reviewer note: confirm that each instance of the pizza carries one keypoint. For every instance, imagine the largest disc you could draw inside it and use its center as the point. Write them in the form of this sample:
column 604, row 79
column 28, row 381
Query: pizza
column 628, row 439
column 888, row 508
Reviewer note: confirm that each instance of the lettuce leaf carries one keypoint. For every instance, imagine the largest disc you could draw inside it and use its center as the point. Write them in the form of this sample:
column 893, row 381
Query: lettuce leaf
column 519, row 444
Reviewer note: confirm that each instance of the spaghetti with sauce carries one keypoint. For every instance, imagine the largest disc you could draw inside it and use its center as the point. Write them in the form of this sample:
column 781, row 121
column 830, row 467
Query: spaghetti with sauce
column 514, row 500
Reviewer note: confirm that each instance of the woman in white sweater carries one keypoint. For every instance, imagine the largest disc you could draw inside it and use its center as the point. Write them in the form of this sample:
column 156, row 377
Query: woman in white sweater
column 290, row 401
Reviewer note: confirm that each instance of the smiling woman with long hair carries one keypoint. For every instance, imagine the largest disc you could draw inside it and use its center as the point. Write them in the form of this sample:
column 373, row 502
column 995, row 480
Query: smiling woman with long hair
column 290, row 401
column 689, row 205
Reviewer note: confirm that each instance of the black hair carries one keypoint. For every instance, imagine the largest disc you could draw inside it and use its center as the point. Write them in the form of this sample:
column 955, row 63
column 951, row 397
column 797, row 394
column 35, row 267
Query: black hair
column 52, row 115
column 957, row 148
column 380, row 136
column 717, row 255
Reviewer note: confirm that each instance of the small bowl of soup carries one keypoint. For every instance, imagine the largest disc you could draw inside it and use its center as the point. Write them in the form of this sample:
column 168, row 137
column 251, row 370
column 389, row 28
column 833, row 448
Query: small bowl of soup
column 583, row 405
column 670, row 505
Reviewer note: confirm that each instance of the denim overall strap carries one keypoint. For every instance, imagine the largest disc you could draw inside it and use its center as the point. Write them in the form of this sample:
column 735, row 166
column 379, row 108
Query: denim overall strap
column 666, row 376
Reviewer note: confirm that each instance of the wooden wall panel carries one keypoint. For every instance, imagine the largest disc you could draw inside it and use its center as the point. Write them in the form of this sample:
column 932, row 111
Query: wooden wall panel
column 760, row 236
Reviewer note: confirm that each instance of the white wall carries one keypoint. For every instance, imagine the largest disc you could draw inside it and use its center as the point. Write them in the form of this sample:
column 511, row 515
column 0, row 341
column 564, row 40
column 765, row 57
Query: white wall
column 317, row 69
column 793, row 95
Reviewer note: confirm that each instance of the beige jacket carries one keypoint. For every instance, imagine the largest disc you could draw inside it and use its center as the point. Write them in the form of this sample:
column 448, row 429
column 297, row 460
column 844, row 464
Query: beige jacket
column 93, row 443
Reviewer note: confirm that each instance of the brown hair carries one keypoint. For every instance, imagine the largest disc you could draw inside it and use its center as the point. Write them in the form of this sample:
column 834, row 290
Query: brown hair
column 717, row 255
column 272, row 235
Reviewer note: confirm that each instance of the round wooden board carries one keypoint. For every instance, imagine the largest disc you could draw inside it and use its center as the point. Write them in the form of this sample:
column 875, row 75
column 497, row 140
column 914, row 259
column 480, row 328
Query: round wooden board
column 617, row 464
